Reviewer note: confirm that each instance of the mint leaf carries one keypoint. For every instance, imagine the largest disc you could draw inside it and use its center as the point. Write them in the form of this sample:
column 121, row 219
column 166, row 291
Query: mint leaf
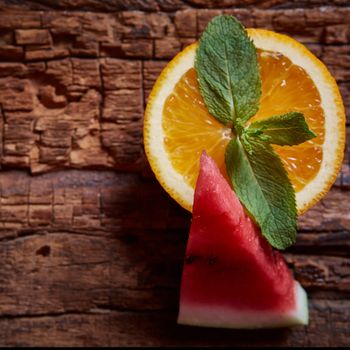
column 262, row 185
column 287, row 129
column 228, row 71
column 229, row 81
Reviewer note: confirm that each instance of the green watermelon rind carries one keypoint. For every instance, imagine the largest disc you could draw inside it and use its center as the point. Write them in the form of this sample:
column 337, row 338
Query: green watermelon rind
column 219, row 316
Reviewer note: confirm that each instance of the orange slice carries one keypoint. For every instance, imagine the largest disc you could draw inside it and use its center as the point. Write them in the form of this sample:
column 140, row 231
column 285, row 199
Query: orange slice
column 177, row 125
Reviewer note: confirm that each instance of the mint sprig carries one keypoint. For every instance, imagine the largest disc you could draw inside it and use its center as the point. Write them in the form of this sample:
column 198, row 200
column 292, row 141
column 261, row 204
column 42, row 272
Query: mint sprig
column 229, row 80
column 228, row 71
column 267, row 194
column 289, row 129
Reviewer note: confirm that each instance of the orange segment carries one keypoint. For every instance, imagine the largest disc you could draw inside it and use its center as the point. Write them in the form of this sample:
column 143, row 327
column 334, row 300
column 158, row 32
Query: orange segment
column 189, row 128
column 287, row 87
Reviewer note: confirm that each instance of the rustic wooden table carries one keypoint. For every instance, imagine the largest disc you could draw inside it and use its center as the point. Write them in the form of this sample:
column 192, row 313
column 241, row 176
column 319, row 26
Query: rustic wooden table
column 91, row 247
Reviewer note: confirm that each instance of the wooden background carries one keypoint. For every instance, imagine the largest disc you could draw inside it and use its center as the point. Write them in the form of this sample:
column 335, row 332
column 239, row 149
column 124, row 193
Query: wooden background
column 91, row 247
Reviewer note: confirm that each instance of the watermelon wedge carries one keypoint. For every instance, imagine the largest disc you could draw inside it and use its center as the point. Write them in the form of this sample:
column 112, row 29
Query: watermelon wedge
column 232, row 278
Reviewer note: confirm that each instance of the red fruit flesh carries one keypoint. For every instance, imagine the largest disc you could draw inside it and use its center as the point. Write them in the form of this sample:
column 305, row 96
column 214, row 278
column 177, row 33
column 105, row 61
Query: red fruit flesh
column 227, row 252
column 232, row 277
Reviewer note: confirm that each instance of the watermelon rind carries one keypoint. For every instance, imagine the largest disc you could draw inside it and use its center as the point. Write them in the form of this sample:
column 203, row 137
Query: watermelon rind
column 219, row 316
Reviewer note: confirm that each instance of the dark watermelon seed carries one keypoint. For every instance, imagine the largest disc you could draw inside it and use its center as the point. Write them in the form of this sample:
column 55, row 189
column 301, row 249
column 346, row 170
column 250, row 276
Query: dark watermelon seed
column 212, row 260
column 190, row 259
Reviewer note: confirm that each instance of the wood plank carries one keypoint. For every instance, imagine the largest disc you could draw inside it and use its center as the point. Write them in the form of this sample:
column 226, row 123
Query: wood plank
column 104, row 199
column 103, row 327
column 159, row 5
column 97, row 252
column 75, row 93
column 141, row 270
column 98, row 199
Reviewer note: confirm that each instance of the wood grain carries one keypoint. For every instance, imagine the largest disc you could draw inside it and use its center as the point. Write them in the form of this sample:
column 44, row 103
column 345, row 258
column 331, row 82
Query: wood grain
column 91, row 247
column 126, row 328
column 73, row 85
column 82, row 250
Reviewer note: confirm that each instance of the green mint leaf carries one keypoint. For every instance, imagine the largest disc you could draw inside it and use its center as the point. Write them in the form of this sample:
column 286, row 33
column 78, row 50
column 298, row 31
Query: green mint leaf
column 228, row 71
column 229, row 81
column 288, row 129
column 262, row 185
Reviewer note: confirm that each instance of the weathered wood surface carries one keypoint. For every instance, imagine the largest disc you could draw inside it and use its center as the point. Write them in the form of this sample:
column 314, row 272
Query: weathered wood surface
column 84, row 264
column 94, row 256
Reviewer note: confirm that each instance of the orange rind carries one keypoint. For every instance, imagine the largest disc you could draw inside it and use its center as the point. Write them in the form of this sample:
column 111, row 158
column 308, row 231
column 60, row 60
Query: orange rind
column 178, row 127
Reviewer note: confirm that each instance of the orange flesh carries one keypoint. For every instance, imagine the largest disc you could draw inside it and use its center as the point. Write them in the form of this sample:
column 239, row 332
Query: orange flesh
column 189, row 128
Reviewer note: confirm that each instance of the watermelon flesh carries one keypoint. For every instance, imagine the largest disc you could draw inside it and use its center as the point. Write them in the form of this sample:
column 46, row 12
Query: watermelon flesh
column 232, row 277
